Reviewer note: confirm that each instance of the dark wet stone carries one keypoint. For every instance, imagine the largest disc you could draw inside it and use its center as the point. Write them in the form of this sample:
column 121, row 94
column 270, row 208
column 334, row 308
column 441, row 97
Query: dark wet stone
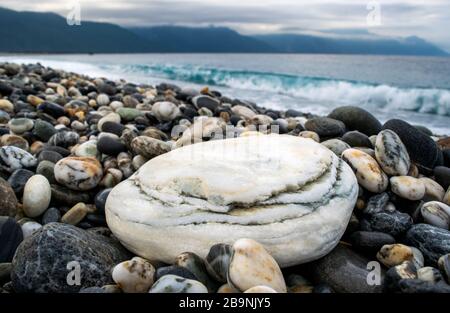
column 293, row 113
column 218, row 261
column 396, row 274
column 49, row 75
column 393, row 223
column 356, row 139
column 442, row 176
column 325, row 127
column 52, row 215
column 8, row 200
column 95, row 219
column 344, row 271
column 41, row 261
column 358, row 119
column 43, row 130
column 5, row 272
column 174, row 270
column 67, row 196
column 100, row 199
column 63, row 151
column 18, row 179
column 421, row 148
column 446, row 153
column 370, row 242
column 196, row 266
column 113, row 127
column 234, row 119
column 420, row 286
column 206, row 102
column 432, row 241
column 51, row 156
column 47, row 169
column 5, row 88
column 377, row 203
column 64, row 139
column 52, row 109
column 110, row 146
column 10, row 237
column 189, row 112
column 107, row 88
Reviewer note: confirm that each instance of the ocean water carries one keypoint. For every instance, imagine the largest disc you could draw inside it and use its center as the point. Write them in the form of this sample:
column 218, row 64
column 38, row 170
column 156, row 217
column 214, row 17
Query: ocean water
column 416, row 89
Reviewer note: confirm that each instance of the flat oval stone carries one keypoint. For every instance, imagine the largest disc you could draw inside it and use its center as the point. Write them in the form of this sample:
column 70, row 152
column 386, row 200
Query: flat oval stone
column 78, row 173
column 43, row 130
column 336, row 145
column 243, row 111
column 292, row 195
column 36, row 196
column 391, row 153
column 14, row 140
column 149, row 147
column 177, row 284
column 16, row 158
column 251, row 265
column 433, row 191
column 358, row 119
column 134, row 276
column 325, row 127
column 20, row 125
column 436, row 213
column 357, row 139
column 407, row 187
column 367, row 170
column 165, row 111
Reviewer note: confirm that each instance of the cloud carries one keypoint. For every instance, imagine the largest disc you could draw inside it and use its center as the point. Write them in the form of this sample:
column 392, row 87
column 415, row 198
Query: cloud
column 430, row 19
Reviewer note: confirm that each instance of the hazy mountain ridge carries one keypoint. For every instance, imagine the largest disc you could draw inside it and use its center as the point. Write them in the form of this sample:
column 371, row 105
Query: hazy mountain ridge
column 32, row 32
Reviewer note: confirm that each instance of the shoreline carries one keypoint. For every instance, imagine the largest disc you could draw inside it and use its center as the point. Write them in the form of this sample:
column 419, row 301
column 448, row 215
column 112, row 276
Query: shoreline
column 330, row 192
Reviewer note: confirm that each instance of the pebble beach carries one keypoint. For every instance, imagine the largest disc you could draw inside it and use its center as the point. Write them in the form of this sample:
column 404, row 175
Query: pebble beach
column 114, row 187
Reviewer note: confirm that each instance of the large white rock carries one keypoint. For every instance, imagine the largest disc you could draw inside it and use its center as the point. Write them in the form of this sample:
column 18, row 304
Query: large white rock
column 292, row 195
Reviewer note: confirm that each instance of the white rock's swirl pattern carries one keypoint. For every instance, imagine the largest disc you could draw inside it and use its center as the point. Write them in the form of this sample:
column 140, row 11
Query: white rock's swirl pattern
column 291, row 194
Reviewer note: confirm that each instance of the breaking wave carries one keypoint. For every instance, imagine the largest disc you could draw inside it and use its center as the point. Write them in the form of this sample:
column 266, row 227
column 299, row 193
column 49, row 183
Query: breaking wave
column 422, row 100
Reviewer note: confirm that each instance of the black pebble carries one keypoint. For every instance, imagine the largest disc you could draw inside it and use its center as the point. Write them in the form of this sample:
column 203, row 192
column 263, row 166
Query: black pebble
column 100, row 199
column 356, row 139
column 442, row 176
column 421, row 148
column 53, row 109
column 174, row 270
column 18, row 179
column 110, row 146
column 51, row 156
column 10, row 237
column 370, row 242
column 51, row 215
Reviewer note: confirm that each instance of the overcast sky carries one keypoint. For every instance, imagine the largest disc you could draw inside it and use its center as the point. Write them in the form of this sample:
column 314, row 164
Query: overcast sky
column 429, row 19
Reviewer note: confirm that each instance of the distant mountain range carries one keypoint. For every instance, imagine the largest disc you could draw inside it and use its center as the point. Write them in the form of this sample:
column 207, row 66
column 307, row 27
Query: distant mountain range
column 32, row 32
